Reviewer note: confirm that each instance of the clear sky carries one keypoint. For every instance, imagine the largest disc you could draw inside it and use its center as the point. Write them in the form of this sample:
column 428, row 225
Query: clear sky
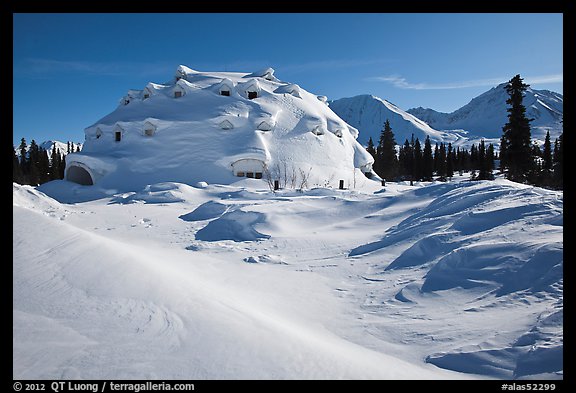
column 70, row 70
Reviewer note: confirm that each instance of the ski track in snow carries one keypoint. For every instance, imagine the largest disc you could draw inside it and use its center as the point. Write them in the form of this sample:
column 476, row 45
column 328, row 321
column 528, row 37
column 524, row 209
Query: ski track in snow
column 436, row 281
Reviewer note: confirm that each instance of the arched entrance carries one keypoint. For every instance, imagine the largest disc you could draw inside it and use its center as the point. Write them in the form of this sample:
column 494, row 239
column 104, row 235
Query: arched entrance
column 79, row 175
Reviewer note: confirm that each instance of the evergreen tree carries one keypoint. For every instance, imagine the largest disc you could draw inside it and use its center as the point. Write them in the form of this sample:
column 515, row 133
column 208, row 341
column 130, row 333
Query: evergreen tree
column 62, row 166
column 474, row 158
column 547, row 154
column 516, row 134
column 490, row 157
column 33, row 162
column 387, row 153
column 417, row 167
column 16, row 170
column 24, row 167
column 427, row 161
column 449, row 161
column 43, row 166
column 406, row 161
column 483, row 171
column 55, row 163
column 436, row 158
column 442, row 162
column 370, row 148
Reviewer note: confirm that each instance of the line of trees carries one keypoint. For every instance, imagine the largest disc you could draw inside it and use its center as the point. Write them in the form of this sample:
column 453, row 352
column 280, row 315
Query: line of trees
column 33, row 165
column 520, row 159
column 416, row 163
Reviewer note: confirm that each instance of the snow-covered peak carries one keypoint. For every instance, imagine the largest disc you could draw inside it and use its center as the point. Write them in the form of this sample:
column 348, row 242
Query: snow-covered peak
column 486, row 114
column 368, row 114
column 217, row 127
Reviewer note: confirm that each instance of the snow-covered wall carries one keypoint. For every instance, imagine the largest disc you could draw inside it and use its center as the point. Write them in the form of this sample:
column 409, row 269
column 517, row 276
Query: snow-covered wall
column 200, row 125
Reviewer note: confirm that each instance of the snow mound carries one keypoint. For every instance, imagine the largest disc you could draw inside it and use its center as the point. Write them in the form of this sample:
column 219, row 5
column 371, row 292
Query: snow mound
column 167, row 192
column 236, row 225
column 215, row 127
column 273, row 259
column 206, row 211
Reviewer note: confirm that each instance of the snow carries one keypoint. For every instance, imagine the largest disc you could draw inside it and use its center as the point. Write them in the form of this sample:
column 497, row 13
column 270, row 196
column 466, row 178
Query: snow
column 482, row 118
column 202, row 134
column 368, row 114
column 456, row 280
column 486, row 114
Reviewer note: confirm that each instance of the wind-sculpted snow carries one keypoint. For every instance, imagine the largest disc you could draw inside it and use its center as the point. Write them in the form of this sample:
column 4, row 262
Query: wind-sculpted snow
column 432, row 281
column 236, row 225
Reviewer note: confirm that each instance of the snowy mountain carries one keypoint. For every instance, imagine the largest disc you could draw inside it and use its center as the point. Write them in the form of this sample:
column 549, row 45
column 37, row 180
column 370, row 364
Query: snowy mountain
column 219, row 127
column 453, row 280
column 62, row 146
column 368, row 113
column 486, row 114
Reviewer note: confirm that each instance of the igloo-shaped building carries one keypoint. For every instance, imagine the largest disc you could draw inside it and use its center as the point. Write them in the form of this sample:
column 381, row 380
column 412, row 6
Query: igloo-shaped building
column 217, row 127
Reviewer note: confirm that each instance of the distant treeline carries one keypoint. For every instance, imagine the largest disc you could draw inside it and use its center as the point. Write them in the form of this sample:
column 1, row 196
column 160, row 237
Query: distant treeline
column 33, row 165
column 520, row 159
column 416, row 163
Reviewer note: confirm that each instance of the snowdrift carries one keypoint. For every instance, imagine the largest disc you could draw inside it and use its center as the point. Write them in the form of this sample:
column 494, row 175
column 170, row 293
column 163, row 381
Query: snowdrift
column 171, row 281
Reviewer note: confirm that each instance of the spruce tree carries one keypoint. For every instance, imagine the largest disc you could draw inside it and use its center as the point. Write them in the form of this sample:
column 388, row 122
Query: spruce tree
column 417, row 167
column 370, row 148
column 474, row 158
column 43, row 166
column 387, row 153
column 547, row 154
column 16, row 170
column 54, row 164
column 436, row 158
column 450, row 161
column 442, row 162
column 490, row 157
column 406, row 161
column 62, row 166
column 33, row 162
column 482, row 163
column 24, row 167
column 427, row 161
column 516, row 134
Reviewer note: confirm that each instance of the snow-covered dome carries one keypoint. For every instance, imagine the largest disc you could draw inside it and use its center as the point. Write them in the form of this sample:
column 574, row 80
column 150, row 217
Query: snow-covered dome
column 257, row 125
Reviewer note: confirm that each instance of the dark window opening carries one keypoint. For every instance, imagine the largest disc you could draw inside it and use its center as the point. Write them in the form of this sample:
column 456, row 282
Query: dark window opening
column 117, row 136
column 177, row 94
column 225, row 93
column 258, row 175
column 240, row 174
column 146, row 96
column 250, row 174
column 252, row 95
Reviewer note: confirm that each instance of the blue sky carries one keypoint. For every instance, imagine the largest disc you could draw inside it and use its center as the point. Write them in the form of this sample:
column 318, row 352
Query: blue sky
column 69, row 70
